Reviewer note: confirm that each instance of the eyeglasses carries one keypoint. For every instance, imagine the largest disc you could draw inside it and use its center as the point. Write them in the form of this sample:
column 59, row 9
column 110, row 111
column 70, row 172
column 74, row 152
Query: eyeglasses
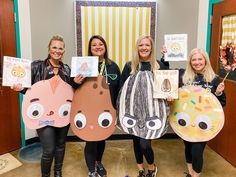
column 60, row 49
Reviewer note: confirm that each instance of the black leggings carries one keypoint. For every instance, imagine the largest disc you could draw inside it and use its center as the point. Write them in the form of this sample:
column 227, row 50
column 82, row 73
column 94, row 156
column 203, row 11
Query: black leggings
column 194, row 154
column 142, row 147
column 53, row 141
column 93, row 152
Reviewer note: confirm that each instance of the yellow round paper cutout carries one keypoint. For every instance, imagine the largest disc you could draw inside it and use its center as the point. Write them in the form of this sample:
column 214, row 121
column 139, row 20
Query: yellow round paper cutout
column 196, row 115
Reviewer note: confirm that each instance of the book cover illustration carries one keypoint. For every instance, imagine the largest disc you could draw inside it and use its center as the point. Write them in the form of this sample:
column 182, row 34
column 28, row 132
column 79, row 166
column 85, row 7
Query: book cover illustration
column 166, row 83
column 176, row 45
column 86, row 66
column 16, row 71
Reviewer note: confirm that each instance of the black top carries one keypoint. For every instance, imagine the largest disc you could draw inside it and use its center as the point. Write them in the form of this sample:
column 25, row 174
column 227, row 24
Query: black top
column 43, row 70
column 199, row 80
column 112, row 75
column 145, row 66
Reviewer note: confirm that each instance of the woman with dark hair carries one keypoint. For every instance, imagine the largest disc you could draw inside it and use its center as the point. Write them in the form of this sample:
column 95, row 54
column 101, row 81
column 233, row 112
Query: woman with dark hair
column 94, row 150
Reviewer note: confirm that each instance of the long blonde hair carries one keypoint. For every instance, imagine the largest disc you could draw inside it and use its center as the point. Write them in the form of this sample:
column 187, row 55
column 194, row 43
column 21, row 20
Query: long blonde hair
column 208, row 73
column 136, row 59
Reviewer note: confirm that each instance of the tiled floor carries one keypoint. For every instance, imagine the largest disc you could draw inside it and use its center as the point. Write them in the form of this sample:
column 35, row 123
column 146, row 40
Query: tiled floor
column 119, row 161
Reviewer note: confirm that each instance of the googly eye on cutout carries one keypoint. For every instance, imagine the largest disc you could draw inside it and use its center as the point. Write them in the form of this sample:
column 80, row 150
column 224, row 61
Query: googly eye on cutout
column 35, row 111
column 203, row 122
column 183, row 119
column 154, row 124
column 105, row 120
column 64, row 110
column 129, row 122
column 80, row 120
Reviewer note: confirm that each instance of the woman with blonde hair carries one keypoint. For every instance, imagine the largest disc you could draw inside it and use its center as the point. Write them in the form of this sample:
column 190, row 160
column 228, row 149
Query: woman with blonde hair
column 143, row 60
column 199, row 72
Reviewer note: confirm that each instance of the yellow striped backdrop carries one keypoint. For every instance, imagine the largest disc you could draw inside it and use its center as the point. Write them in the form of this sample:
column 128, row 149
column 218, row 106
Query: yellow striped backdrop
column 228, row 29
column 119, row 26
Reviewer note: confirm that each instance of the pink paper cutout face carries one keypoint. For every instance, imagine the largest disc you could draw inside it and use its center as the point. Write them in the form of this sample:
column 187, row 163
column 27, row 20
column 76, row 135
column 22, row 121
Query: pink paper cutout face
column 47, row 102
column 92, row 114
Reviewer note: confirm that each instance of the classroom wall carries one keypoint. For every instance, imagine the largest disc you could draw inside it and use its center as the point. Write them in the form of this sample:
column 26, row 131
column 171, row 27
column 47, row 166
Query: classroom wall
column 39, row 20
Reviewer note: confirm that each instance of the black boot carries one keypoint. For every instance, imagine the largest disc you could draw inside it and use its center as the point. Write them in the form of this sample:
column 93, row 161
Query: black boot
column 45, row 175
column 57, row 170
column 57, row 174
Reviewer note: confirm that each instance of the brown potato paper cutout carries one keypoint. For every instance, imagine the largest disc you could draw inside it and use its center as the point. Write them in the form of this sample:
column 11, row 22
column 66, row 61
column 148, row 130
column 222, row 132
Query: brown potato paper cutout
column 92, row 116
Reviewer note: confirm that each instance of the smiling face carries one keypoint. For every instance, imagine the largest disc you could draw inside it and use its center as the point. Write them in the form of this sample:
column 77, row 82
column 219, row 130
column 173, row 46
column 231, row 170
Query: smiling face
column 97, row 48
column 145, row 49
column 197, row 115
column 198, row 62
column 97, row 121
column 47, row 102
column 56, row 50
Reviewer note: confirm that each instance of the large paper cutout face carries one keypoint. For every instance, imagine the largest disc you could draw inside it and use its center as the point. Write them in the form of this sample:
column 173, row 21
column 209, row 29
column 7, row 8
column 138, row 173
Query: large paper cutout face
column 138, row 112
column 197, row 115
column 93, row 117
column 47, row 102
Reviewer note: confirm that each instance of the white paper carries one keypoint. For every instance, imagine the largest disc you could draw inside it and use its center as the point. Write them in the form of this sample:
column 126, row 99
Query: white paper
column 87, row 66
column 16, row 71
column 176, row 45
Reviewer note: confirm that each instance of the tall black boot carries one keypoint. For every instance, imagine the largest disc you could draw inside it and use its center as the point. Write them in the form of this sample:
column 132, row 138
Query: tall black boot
column 57, row 174
column 46, row 163
column 45, row 175
column 59, row 157
column 57, row 170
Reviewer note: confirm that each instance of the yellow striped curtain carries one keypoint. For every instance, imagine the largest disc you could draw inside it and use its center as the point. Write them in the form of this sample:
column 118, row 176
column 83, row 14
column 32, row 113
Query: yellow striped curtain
column 119, row 26
column 228, row 29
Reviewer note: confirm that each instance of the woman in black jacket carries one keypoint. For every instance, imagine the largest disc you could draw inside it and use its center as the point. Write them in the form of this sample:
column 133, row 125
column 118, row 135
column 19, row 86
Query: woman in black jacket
column 53, row 139
column 94, row 150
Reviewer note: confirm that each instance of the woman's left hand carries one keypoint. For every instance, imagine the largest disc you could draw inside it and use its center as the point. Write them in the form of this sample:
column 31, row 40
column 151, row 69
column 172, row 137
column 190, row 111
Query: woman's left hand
column 220, row 88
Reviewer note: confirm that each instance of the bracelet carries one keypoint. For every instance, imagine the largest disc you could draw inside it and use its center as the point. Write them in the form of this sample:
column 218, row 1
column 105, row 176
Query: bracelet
column 218, row 94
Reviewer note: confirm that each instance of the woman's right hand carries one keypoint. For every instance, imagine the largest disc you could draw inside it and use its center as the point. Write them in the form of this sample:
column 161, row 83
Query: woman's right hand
column 17, row 87
column 79, row 79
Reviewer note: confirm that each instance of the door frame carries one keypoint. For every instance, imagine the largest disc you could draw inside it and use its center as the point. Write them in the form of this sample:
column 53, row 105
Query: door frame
column 223, row 143
column 209, row 28
column 18, row 54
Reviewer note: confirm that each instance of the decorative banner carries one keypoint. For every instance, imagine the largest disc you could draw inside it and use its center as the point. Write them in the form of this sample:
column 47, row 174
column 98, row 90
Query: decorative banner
column 120, row 23
column 197, row 115
column 47, row 102
column 166, row 83
column 138, row 112
column 176, row 45
column 93, row 117
column 16, row 71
